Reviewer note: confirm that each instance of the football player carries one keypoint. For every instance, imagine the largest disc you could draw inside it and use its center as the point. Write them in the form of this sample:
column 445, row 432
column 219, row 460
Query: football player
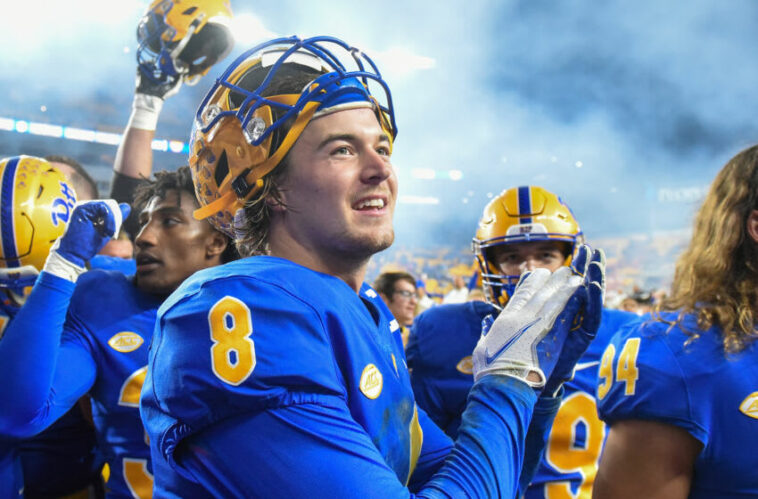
column 88, row 332
column 280, row 374
column 680, row 388
column 35, row 204
column 523, row 228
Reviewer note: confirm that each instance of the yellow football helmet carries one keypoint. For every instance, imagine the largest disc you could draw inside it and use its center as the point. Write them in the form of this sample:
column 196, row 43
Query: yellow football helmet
column 526, row 213
column 257, row 109
column 35, row 203
column 183, row 38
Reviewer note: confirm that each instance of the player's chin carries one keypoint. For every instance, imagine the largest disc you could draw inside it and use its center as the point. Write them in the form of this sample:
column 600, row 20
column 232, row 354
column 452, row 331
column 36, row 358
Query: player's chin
column 381, row 240
column 152, row 283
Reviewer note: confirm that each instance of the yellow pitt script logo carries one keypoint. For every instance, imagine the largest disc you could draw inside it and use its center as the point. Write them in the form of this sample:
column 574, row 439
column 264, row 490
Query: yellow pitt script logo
column 371, row 381
column 749, row 406
column 125, row 341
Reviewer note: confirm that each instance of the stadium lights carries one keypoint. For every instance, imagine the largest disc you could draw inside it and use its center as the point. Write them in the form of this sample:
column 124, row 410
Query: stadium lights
column 431, row 174
column 418, row 200
column 177, row 147
column 83, row 134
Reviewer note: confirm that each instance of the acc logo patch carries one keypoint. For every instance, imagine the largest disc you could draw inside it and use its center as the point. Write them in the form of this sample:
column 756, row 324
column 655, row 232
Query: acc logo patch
column 371, row 381
column 125, row 341
column 466, row 365
column 749, row 406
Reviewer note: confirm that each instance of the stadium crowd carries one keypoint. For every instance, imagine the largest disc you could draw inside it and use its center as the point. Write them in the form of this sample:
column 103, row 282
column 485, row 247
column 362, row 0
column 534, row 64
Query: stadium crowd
column 209, row 330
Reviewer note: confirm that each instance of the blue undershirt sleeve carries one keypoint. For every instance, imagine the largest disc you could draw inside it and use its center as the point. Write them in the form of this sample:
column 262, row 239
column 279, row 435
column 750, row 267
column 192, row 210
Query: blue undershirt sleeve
column 30, row 354
column 536, row 437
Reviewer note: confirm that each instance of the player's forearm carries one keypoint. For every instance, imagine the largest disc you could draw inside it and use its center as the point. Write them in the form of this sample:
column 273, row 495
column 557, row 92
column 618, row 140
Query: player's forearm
column 134, row 157
column 28, row 353
column 487, row 458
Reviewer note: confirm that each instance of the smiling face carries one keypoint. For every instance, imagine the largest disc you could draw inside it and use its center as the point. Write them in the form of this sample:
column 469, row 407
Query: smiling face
column 171, row 244
column 339, row 194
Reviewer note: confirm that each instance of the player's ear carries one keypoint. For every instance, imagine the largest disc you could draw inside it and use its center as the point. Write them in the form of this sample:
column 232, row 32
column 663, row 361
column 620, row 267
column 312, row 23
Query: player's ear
column 276, row 198
column 752, row 225
column 275, row 204
column 216, row 244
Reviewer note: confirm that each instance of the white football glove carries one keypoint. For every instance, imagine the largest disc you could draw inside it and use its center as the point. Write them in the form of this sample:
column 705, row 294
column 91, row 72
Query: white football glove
column 517, row 343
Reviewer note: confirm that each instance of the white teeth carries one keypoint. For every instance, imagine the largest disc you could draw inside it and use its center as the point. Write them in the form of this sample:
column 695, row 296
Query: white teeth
column 371, row 203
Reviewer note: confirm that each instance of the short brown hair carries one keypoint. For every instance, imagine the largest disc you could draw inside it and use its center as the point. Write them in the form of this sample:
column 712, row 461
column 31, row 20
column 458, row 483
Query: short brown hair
column 385, row 282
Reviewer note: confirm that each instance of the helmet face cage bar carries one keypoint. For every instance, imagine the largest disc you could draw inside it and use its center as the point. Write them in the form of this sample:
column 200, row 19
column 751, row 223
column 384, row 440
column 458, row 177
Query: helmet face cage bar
column 498, row 287
column 18, row 278
column 322, row 87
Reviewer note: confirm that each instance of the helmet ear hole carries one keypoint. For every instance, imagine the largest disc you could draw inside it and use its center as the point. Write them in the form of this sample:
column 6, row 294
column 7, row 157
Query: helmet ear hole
column 222, row 169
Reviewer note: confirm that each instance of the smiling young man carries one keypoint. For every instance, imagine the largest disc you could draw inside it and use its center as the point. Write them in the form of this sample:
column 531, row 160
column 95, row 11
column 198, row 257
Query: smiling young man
column 281, row 375
column 89, row 332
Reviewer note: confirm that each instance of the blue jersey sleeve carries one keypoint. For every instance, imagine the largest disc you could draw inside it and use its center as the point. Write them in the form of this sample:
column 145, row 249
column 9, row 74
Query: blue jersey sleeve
column 337, row 458
column 640, row 377
column 50, row 378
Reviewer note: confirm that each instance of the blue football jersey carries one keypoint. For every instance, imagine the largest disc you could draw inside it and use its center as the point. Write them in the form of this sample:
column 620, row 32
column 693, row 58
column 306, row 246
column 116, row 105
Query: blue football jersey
column 439, row 350
column 11, row 480
column 439, row 356
column 105, row 262
column 60, row 460
column 651, row 372
column 576, row 439
column 265, row 363
column 91, row 338
column 111, row 320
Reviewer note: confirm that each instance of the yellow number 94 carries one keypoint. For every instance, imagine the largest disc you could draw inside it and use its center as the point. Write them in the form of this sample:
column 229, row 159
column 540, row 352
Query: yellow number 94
column 626, row 368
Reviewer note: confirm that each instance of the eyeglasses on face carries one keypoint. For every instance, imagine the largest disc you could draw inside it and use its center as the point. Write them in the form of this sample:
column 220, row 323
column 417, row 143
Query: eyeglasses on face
column 404, row 293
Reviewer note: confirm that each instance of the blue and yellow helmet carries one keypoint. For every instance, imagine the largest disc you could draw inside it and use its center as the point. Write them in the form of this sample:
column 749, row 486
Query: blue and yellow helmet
column 35, row 203
column 182, row 39
column 259, row 106
column 520, row 214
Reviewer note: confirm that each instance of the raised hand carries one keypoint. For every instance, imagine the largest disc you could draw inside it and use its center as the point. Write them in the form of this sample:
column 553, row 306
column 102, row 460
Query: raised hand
column 521, row 341
column 92, row 224
column 586, row 321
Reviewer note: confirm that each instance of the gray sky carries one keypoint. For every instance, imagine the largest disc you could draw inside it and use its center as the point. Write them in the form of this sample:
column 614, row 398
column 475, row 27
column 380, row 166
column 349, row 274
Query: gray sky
column 625, row 109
